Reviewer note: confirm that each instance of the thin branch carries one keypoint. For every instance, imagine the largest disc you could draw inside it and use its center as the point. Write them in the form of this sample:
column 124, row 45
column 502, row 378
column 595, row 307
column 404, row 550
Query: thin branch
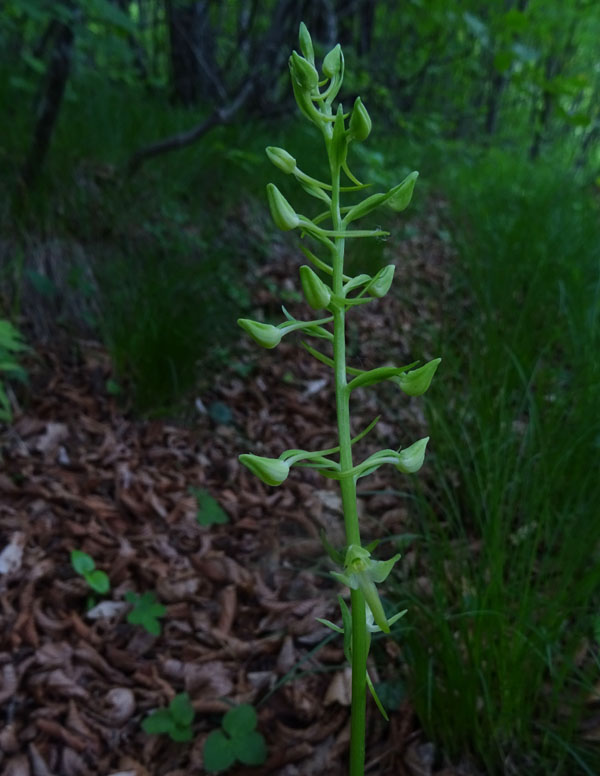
column 217, row 118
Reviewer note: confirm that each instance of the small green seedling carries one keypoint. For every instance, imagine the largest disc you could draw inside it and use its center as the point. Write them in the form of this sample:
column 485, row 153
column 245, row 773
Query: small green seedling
column 175, row 721
column 236, row 740
column 209, row 509
column 84, row 565
column 146, row 611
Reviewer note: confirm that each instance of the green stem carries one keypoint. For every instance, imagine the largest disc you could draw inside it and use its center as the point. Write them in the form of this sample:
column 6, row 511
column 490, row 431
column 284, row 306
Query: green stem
column 360, row 646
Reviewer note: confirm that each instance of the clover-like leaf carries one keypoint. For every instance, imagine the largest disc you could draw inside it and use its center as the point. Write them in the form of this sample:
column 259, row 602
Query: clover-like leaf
column 210, row 511
column 250, row 748
column 81, row 562
column 145, row 612
column 98, row 581
column 218, row 752
column 160, row 721
column 240, row 720
column 182, row 710
column 181, row 734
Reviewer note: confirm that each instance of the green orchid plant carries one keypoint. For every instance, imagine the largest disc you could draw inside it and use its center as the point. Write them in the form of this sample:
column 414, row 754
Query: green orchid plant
column 335, row 293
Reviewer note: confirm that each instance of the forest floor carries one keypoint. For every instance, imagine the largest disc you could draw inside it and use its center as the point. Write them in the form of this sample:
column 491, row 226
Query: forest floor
column 79, row 472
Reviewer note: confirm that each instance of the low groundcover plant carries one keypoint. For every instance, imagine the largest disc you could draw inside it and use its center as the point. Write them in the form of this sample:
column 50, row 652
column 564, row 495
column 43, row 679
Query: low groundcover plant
column 335, row 293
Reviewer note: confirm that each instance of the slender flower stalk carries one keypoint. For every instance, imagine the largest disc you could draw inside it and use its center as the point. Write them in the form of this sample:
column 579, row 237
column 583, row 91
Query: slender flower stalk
column 336, row 294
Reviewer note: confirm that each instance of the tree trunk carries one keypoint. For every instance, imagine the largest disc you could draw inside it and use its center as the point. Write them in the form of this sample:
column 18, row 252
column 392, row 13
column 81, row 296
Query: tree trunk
column 194, row 71
column 51, row 99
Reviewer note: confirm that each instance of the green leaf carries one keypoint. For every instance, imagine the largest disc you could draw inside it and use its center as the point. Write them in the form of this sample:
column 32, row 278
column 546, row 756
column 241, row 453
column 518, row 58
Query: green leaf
column 378, row 703
column 179, row 733
column 145, row 612
column 250, row 748
column 160, row 721
column 331, row 625
column 81, row 562
column 347, row 623
column 10, row 338
column 98, row 581
column 182, row 710
column 12, row 369
column 218, row 752
column 209, row 509
column 240, row 720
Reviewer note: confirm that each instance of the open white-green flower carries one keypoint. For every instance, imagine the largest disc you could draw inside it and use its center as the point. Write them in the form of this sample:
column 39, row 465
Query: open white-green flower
column 362, row 573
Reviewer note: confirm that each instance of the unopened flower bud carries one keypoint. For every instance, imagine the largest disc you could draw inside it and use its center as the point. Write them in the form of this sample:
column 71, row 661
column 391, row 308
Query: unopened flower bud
column 317, row 293
column 306, row 45
column 264, row 334
column 282, row 212
column 303, row 72
column 332, row 64
column 339, row 140
column 411, row 458
column 281, row 159
column 360, row 121
column 402, row 195
column 382, row 281
column 271, row 471
column 417, row 381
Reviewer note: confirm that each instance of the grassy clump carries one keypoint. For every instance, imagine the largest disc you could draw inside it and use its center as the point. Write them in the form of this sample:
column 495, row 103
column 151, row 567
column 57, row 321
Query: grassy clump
column 499, row 655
